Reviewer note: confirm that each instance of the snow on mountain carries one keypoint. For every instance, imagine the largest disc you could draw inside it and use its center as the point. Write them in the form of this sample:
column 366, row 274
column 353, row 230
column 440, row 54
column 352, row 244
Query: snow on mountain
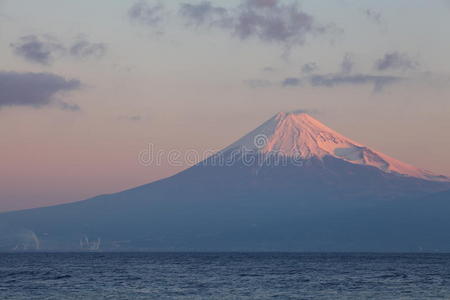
column 297, row 134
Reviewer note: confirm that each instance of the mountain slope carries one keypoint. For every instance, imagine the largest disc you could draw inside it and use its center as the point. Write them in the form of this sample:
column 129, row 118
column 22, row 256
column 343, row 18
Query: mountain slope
column 297, row 134
column 254, row 196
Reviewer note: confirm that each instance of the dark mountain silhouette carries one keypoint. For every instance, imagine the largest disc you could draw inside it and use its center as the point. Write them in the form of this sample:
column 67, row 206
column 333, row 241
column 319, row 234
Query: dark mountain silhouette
column 293, row 184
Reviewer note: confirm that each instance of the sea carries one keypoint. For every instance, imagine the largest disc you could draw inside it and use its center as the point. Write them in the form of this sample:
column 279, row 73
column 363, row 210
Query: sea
column 224, row 276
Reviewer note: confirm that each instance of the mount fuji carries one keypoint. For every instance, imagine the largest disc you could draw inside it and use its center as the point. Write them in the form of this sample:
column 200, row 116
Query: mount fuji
column 292, row 184
column 298, row 135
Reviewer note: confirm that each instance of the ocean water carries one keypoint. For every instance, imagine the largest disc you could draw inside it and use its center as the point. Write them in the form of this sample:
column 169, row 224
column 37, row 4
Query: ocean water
column 223, row 276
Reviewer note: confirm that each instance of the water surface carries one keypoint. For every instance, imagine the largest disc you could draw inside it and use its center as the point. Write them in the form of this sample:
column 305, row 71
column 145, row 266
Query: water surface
column 223, row 276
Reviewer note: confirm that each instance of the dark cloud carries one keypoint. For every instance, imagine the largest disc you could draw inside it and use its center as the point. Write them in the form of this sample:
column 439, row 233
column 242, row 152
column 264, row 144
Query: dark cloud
column 373, row 15
column 347, row 64
column 82, row 48
column 147, row 14
column 38, row 49
column 291, row 81
column 273, row 21
column 35, row 89
column 203, row 13
column 132, row 118
column 135, row 118
column 307, row 111
column 69, row 107
column 44, row 49
column 331, row 80
column 258, row 83
column 395, row 61
column 263, row 3
column 270, row 21
column 309, row 68
column 268, row 69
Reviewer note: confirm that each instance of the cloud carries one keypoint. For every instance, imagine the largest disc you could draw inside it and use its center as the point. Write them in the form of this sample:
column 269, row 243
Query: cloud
column 82, row 48
column 134, row 118
column 274, row 22
column 345, row 75
column 291, row 81
column 146, row 14
column 309, row 68
column 69, row 107
column 38, row 49
column 203, row 13
column 268, row 69
column 35, row 89
column 347, row 64
column 395, row 61
column 257, row 83
column 312, row 111
column 373, row 15
column 271, row 21
column 45, row 49
column 131, row 118
column 379, row 82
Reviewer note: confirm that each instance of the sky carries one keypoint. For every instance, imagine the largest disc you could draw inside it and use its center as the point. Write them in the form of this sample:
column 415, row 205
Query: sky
column 87, row 87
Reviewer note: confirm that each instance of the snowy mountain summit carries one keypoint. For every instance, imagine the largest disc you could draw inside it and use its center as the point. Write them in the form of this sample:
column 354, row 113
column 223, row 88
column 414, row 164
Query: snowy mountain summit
column 297, row 134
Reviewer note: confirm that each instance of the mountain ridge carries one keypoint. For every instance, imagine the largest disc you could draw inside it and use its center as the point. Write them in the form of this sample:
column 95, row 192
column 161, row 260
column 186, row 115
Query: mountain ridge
column 297, row 134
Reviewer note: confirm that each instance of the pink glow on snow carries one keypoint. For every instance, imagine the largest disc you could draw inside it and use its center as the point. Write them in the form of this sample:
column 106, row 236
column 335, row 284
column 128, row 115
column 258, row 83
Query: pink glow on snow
column 300, row 135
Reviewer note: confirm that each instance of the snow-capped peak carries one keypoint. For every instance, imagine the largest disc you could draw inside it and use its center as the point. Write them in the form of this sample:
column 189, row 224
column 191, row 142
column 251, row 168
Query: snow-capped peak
column 297, row 134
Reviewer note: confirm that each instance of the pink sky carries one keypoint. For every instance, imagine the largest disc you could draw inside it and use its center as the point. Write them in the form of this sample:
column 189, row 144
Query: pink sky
column 182, row 88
